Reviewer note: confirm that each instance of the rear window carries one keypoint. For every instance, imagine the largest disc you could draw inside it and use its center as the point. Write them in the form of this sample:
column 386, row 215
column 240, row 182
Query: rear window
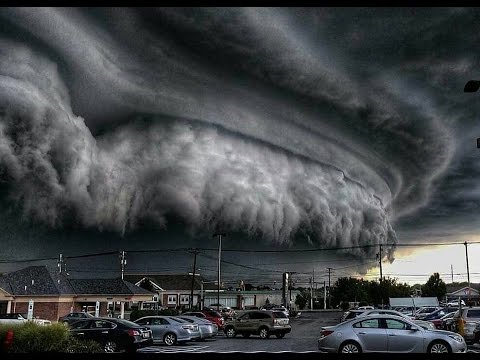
column 279, row 315
column 473, row 313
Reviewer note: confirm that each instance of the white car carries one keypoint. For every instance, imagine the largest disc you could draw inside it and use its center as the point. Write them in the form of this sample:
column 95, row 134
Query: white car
column 455, row 303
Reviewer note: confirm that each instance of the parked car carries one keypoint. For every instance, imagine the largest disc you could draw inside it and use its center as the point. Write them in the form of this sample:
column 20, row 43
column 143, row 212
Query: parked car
column 75, row 316
column 387, row 333
column 12, row 319
column 350, row 314
column 441, row 323
column 207, row 328
column 196, row 314
column 456, row 303
column 215, row 317
column 437, row 314
column 169, row 329
column 113, row 334
column 282, row 309
column 226, row 311
column 259, row 322
column 425, row 324
column 470, row 317
column 365, row 308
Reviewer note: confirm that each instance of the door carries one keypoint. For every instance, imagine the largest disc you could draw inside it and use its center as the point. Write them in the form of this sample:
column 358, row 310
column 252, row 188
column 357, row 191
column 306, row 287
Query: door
column 401, row 338
column 371, row 335
column 242, row 323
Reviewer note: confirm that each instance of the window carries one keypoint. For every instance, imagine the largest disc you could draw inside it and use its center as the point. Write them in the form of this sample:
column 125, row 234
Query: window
column 184, row 299
column 101, row 324
column 395, row 324
column 80, row 324
column 245, row 317
column 279, row 315
column 160, row 321
column 370, row 323
column 473, row 313
column 249, row 300
column 172, row 299
column 143, row 322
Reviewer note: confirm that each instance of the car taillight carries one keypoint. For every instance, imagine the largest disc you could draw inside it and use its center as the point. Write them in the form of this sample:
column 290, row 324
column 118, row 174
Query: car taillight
column 325, row 333
column 188, row 327
column 133, row 332
column 8, row 339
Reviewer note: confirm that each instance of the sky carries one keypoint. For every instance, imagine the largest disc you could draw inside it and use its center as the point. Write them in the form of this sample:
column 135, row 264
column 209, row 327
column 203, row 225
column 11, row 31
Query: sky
column 316, row 134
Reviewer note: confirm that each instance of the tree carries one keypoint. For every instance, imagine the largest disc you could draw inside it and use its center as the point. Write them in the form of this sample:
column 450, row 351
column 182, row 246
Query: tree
column 302, row 299
column 434, row 287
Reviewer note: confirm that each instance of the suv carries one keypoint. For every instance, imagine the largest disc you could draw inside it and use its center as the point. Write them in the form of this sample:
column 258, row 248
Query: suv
column 470, row 317
column 259, row 322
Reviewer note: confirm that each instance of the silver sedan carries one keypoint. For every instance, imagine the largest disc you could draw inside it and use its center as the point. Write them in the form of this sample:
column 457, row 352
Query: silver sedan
column 387, row 333
column 207, row 328
column 170, row 330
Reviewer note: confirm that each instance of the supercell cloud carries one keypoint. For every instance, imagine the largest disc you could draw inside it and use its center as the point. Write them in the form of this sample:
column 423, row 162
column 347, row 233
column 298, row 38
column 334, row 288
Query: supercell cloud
column 279, row 124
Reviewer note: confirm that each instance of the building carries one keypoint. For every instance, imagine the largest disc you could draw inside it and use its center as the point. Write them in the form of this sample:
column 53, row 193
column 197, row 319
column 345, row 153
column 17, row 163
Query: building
column 174, row 291
column 465, row 293
column 53, row 294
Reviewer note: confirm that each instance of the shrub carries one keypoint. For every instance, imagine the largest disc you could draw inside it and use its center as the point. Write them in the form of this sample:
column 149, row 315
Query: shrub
column 30, row 337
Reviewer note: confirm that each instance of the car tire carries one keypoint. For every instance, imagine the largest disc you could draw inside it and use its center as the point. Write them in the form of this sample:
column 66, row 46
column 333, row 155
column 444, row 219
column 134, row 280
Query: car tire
column 263, row 332
column 350, row 347
column 246, row 335
column 230, row 332
column 280, row 335
column 439, row 347
column 110, row 347
column 170, row 339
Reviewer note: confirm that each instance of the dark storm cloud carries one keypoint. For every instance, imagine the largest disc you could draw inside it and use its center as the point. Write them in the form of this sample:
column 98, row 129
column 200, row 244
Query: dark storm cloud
column 282, row 124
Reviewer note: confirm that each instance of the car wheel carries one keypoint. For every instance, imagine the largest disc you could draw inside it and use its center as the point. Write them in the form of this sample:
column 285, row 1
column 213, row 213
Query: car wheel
column 110, row 347
column 246, row 335
column 350, row 347
column 439, row 347
column 263, row 332
column 170, row 339
column 279, row 336
column 230, row 332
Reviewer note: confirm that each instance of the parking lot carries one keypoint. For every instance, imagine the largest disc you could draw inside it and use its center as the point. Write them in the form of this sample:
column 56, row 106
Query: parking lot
column 302, row 339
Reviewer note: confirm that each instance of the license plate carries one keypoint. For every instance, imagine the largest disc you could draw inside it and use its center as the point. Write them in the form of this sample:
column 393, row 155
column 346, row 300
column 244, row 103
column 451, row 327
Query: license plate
column 146, row 335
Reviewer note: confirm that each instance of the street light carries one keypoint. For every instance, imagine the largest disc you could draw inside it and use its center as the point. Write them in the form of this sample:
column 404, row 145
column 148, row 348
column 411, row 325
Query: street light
column 219, row 259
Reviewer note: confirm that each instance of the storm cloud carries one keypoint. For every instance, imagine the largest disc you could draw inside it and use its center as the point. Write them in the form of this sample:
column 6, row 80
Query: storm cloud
column 276, row 123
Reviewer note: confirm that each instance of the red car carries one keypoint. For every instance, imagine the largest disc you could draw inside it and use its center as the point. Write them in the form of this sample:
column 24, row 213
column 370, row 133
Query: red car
column 215, row 317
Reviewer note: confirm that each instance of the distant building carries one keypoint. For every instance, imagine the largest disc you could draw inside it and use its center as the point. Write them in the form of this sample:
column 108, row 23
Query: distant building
column 55, row 295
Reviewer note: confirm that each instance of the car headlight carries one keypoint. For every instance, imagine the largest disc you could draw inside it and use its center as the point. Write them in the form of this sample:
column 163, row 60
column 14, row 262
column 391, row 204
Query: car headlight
column 456, row 338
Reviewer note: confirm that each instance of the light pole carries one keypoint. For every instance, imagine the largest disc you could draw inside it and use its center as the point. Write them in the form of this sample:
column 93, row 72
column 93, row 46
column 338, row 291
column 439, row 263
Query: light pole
column 219, row 259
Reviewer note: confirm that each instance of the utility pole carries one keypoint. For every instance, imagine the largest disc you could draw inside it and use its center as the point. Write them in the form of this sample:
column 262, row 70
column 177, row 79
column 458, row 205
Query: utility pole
column 324, row 295
column 329, row 299
column 60, row 263
column 311, row 293
column 219, row 259
column 379, row 257
column 468, row 270
column 451, row 269
column 194, row 252
column 123, row 262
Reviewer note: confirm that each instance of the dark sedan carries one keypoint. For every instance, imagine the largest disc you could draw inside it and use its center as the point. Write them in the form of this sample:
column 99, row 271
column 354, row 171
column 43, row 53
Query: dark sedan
column 113, row 334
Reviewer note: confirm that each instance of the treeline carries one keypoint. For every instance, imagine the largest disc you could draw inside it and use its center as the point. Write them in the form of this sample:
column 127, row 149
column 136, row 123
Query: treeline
column 373, row 292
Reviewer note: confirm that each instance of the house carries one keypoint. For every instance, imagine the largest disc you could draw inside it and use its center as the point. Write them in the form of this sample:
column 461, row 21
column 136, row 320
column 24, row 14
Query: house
column 465, row 293
column 174, row 290
column 51, row 294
